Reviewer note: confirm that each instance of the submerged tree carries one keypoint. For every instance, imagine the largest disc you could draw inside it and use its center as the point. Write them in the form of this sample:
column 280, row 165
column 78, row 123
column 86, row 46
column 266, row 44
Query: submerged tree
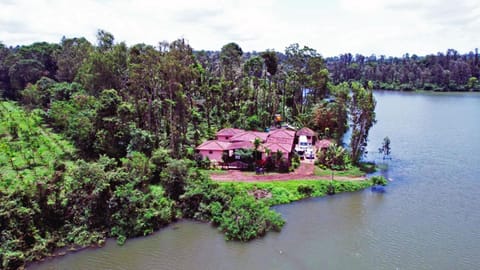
column 385, row 149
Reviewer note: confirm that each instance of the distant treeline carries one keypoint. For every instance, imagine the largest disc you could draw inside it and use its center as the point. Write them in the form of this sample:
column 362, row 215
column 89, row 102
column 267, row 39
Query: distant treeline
column 451, row 71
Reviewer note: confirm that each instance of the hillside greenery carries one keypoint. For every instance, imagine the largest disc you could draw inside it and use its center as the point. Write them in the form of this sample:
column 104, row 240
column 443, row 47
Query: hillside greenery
column 51, row 199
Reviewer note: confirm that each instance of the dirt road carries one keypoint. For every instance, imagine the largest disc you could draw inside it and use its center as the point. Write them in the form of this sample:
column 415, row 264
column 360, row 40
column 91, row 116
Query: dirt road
column 304, row 172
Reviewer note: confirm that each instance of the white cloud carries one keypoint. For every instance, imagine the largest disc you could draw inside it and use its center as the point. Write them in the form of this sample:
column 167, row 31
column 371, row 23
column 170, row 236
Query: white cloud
column 372, row 26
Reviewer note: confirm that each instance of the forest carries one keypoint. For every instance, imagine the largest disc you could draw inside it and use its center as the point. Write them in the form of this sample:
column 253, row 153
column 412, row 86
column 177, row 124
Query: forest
column 98, row 140
column 450, row 71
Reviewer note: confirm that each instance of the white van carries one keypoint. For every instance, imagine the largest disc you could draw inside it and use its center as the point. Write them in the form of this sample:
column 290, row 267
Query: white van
column 303, row 145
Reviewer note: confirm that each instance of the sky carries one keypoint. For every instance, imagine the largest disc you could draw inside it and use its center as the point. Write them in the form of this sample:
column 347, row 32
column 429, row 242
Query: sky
column 388, row 27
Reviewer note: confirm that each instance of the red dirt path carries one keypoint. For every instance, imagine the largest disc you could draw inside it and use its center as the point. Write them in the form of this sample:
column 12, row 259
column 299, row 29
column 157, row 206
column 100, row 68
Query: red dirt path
column 304, row 172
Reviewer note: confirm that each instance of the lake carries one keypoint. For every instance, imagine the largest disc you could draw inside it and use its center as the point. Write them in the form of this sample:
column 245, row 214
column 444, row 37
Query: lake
column 427, row 218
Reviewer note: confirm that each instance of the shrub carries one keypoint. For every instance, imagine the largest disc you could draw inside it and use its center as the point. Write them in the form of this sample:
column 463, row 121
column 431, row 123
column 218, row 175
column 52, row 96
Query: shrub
column 245, row 219
column 283, row 165
column 174, row 176
column 305, row 190
column 379, row 180
column 229, row 207
column 295, row 162
column 334, row 157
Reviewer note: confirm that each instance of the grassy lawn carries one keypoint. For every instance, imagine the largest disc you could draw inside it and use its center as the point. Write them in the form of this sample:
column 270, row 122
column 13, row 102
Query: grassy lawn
column 288, row 191
column 351, row 171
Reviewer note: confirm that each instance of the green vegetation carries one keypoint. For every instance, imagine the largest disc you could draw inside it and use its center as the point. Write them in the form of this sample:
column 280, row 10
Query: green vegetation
column 57, row 202
column 29, row 152
column 102, row 141
column 385, row 149
column 379, row 180
column 334, row 157
column 350, row 171
column 443, row 71
column 288, row 191
column 48, row 200
column 236, row 213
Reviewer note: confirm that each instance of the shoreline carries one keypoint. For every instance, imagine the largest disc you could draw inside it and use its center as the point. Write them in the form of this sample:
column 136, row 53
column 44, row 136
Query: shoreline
column 277, row 198
column 273, row 201
column 429, row 91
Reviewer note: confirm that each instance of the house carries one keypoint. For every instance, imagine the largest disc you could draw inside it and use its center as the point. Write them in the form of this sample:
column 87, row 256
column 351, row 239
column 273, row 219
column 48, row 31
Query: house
column 213, row 149
column 231, row 139
column 280, row 140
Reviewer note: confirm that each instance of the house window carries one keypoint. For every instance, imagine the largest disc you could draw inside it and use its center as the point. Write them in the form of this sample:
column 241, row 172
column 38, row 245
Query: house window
column 210, row 152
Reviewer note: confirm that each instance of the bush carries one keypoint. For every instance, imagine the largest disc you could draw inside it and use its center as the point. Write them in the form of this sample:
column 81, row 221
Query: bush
column 283, row 166
column 269, row 164
column 295, row 162
column 379, row 180
column 174, row 176
column 203, row 163
column 334, row 157
column 305, row 189
column 229, row 207
column 246, row 219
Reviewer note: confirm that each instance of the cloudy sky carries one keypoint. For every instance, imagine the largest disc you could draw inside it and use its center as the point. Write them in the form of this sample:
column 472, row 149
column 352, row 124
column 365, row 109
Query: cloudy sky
column 389, row 27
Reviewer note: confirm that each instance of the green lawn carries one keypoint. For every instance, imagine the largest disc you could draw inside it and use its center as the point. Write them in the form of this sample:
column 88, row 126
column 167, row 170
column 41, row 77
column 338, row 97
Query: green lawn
column 351, row 171
column 288, row 191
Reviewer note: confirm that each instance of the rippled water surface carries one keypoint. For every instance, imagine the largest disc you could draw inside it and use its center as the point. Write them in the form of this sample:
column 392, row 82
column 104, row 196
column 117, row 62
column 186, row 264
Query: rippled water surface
column 427, row 218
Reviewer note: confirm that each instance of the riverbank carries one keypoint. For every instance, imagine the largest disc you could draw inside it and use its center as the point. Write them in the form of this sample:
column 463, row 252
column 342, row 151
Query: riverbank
column 276, row 193
column 284, row 192
column 308, row 180
column 423, row 91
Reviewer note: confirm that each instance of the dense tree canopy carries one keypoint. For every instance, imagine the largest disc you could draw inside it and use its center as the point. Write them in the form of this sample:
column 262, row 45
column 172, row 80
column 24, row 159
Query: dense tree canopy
column 143, row 97
column 450, row 71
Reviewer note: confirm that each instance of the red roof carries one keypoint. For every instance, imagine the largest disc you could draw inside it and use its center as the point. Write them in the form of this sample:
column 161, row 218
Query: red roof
column 274, row 147
column 280, row 140
column 213, row 145
column 305, row 131
column 241, row 145
column 281, row 133
column 229, row 131
column 249, row 136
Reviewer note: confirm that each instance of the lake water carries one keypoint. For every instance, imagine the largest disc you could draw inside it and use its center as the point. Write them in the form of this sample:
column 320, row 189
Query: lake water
column 427, row 218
